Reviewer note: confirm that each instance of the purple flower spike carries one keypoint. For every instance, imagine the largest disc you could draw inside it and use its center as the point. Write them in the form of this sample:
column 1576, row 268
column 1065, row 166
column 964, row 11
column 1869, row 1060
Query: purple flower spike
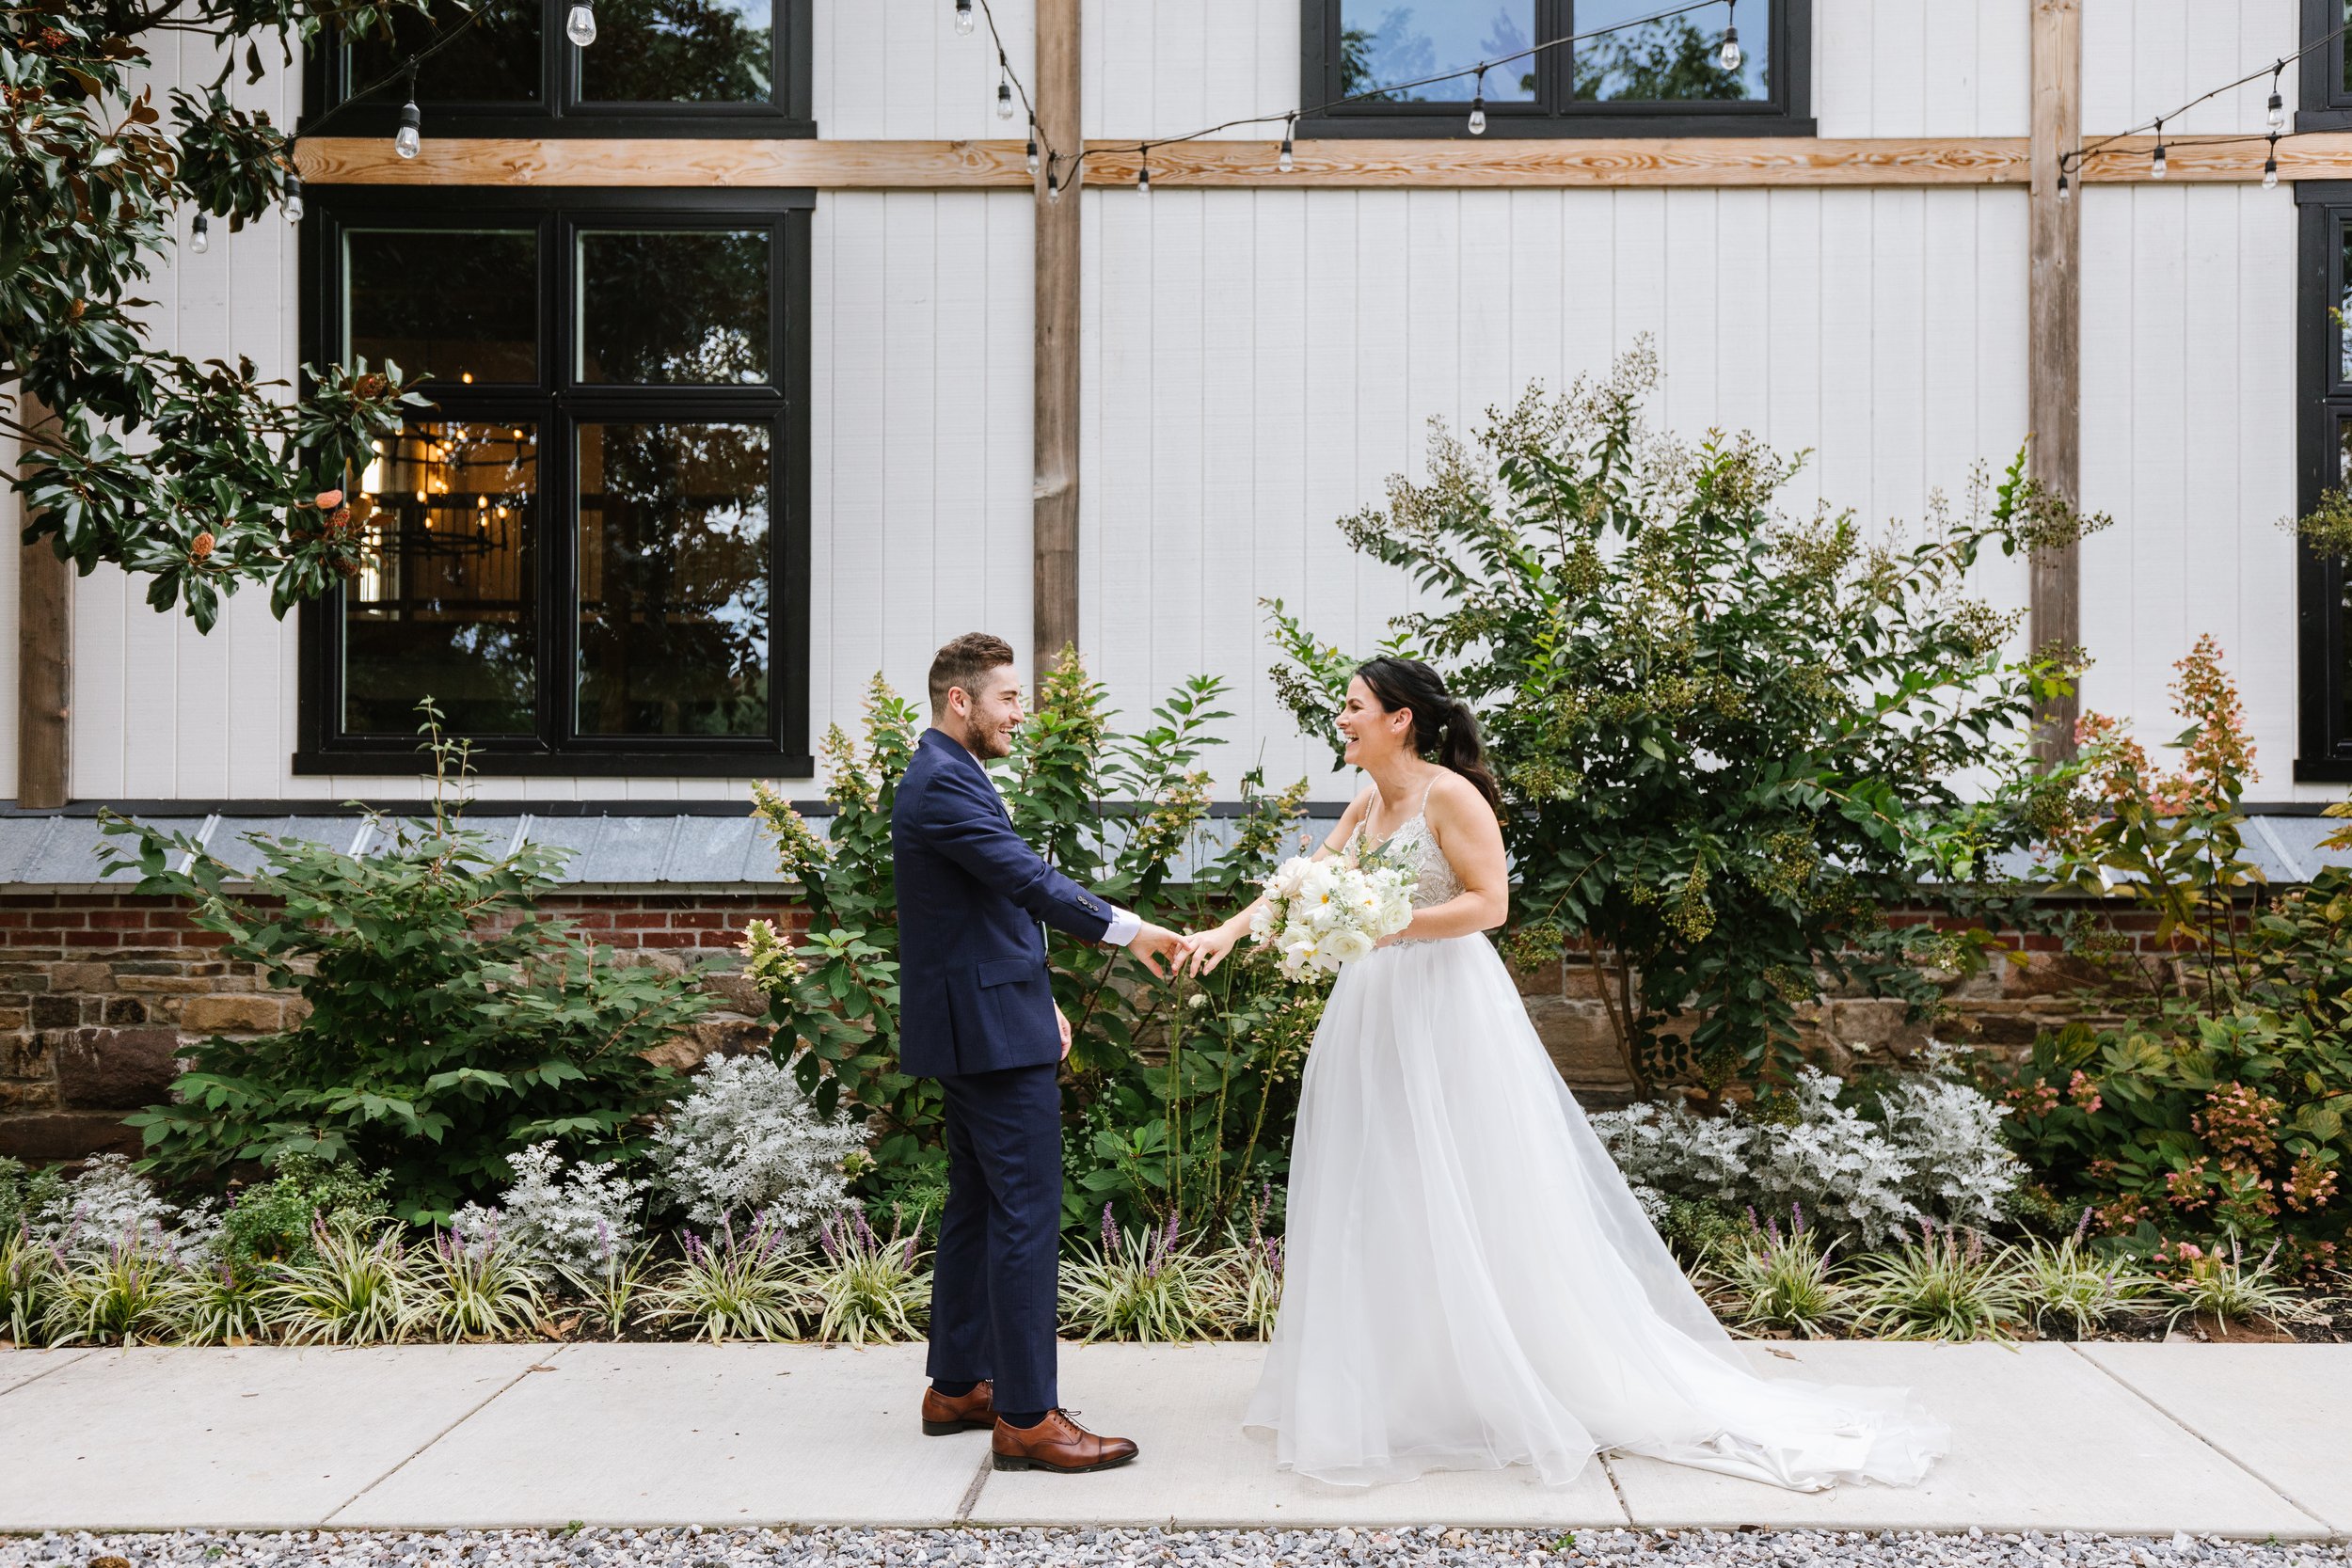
column 1110, row 1232
column 1796, row 1219
column 2082, row 1226
column 1772, row 1228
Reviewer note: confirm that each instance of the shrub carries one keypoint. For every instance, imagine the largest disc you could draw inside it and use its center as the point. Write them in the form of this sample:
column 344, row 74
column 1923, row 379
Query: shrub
column 1727, row 740
column 747, row 1141
column 2223, row 1108
column 1935, row 1155
column 274, row 1222
column 449, row 1023
column 25, row 1192
column 92, row 1213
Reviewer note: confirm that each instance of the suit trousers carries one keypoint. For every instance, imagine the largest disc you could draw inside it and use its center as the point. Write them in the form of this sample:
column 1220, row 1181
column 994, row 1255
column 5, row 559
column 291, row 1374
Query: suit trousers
column 996, row 1282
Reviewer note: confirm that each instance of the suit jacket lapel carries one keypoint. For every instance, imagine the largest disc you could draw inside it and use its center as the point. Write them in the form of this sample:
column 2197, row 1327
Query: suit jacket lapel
column 957, row 754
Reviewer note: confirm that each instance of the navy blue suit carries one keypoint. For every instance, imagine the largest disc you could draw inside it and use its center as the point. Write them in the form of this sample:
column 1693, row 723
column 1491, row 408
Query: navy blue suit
column 976, row 1011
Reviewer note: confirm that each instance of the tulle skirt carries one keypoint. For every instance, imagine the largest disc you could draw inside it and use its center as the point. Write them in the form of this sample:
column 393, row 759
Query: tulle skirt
column 1469, row 1283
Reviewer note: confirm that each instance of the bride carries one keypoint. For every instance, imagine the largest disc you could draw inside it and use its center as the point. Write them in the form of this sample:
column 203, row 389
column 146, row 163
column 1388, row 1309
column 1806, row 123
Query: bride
column 1470, row 1282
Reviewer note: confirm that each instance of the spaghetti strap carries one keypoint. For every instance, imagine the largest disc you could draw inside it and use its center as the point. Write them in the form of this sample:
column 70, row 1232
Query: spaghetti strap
column 1425, row 790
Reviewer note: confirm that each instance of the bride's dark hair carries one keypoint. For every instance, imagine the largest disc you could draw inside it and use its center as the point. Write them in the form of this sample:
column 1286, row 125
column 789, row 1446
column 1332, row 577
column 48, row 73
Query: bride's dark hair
column 1443, row 726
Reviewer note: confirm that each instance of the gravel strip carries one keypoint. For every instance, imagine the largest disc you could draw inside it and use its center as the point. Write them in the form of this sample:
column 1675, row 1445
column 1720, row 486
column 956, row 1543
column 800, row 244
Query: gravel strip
column 695, row 1548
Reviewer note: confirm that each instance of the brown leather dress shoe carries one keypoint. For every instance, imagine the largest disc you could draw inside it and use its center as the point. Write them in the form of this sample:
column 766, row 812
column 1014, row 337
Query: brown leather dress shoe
column 972, row 1412
column 1057, row 1443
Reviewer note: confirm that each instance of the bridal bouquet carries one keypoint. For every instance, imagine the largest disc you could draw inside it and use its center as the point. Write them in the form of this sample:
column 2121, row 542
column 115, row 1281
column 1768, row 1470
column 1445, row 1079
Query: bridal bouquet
column 1321, row 914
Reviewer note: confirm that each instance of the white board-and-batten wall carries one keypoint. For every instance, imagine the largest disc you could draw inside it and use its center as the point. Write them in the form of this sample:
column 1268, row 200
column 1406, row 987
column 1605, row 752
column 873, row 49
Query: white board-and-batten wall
column 1257, row 360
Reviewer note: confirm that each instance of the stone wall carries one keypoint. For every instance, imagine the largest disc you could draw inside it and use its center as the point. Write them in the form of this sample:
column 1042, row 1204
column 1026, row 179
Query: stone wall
column 99, row 990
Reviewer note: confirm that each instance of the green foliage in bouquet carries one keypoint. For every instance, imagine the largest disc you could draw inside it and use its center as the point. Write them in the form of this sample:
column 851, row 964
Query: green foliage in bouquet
column 448, row 1024
column 1727, row 740
column 2223, row 1110
column 1177, row 1105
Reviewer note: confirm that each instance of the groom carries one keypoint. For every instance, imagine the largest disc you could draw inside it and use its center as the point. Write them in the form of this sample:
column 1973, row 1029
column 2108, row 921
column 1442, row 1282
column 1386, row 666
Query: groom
column 977, row 1012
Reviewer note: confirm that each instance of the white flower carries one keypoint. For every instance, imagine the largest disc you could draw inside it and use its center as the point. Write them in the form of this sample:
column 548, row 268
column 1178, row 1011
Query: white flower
column 1346, row 946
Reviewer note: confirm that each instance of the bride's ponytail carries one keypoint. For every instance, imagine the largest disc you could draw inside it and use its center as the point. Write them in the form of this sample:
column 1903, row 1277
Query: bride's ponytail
column 1444, row 728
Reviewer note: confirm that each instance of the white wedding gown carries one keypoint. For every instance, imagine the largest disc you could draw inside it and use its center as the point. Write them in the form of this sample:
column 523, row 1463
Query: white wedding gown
column 1470, row 1282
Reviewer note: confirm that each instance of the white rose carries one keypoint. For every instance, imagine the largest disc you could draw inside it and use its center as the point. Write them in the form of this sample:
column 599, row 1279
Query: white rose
column 1346, row 946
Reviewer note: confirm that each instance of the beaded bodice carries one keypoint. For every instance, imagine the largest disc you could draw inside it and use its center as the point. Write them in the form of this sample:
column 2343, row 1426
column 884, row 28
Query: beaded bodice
column 1414, row 848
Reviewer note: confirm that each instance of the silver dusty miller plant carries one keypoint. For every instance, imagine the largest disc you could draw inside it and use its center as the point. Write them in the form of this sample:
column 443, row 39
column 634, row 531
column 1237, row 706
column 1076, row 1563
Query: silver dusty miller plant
column 747, row 1141
column 109, row 1202
column 1937, row 1153
column 556, row 1219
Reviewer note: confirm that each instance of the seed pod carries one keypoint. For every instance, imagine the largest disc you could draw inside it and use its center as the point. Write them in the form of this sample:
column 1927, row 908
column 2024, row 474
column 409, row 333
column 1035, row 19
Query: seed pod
column 200, row 548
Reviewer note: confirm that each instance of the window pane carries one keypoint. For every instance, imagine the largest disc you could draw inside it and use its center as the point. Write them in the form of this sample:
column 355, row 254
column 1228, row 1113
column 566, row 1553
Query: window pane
column 678, row 52
column 496, row 62
column 1672, row 58
column 446, row 601
column 2344, row 308
column 674, row 579
column 1383, row 42
column 672, row 308
column 450, row 303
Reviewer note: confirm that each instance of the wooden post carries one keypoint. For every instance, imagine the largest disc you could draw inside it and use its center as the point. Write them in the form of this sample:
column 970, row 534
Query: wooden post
column 2054, row 310
column 44, row 658
column 1055, row 505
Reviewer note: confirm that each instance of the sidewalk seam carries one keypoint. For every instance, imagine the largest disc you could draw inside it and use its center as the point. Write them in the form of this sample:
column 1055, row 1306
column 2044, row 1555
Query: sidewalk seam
column 2149, row 1400
column 27, row 1383
column 979, row 1481
column 1618, row 1492
column 329, row 1517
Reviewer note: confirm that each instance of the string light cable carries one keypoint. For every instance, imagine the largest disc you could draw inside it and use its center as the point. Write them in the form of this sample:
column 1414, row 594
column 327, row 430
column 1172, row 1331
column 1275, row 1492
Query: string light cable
column 2071, row 162
column 1057, row 178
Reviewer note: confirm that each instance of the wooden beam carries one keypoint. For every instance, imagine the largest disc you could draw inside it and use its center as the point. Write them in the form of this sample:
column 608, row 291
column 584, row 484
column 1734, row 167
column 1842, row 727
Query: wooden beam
column 1688, row 161
column 1054, row 505
column 2054, row 347
column 44, row 658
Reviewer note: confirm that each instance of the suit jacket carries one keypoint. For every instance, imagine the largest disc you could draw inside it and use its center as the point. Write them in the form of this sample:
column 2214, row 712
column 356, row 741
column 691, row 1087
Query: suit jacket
column 974, row 995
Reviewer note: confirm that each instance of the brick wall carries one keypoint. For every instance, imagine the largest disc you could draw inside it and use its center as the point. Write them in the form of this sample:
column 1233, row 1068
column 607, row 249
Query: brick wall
column 98, row 991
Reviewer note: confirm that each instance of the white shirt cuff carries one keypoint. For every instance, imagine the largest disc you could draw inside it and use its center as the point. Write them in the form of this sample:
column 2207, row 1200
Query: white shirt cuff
column 1124, row 925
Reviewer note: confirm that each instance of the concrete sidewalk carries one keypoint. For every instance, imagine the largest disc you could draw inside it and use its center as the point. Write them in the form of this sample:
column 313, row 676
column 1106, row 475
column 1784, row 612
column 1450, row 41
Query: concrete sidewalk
column 2247, row 1440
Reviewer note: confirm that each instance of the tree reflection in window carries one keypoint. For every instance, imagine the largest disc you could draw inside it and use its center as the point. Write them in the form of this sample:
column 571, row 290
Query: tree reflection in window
column 446, row 598
column 670, row 308
column 1671, row 59
column 450, row 304
column 680, row 52
column 673, row 560
column 496, row 62
column 1381, row 42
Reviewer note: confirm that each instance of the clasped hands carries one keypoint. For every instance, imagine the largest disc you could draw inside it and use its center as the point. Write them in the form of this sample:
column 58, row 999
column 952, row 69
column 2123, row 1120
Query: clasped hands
column 1182, row 953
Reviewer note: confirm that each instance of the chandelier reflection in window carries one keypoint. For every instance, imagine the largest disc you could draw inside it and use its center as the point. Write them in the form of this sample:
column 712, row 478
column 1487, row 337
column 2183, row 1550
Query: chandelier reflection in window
column 450, row 534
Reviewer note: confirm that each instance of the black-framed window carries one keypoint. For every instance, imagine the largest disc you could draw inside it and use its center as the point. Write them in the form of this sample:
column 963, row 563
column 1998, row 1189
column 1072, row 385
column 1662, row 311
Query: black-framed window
column 592, row 549
column 692, row 68
column 2324, row 461
column 2325, row 95
column 1661, row 76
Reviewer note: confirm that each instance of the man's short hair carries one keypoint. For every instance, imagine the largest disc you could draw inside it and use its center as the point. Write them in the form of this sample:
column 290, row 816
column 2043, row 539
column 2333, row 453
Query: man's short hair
column 962, row 663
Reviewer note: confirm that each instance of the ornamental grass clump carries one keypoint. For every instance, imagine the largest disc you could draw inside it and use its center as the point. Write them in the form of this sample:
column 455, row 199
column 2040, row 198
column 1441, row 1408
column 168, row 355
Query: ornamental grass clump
column 1140, row 1284
column 2065, row 1282
column 1248, row 1284
column 473, row 1288
column 1776, row 1279
column 28, row 1274
column 217, row 1305
column 1941, row 1287
column 2219, row 1285
column 730, row 1287
column 868, row 1286
column 608, row 1289
column 352, row 1290
column 117, row 1296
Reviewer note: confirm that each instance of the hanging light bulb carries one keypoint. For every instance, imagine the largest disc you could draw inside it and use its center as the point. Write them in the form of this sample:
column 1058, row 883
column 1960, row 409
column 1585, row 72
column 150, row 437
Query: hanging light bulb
column 580, row 23
column 1731, row 56
column 964, row 16
column 1286, row 161
column 410, row 139
column 1030, row 160
column 1003, row 92
column 2064, row 192
column 292, row 202
column 200, row 234
column 2270, row 164
column 1053, row 190
column 1478, row 107
column 2157, row 168
column 1143, row 171
column 2277, row 111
